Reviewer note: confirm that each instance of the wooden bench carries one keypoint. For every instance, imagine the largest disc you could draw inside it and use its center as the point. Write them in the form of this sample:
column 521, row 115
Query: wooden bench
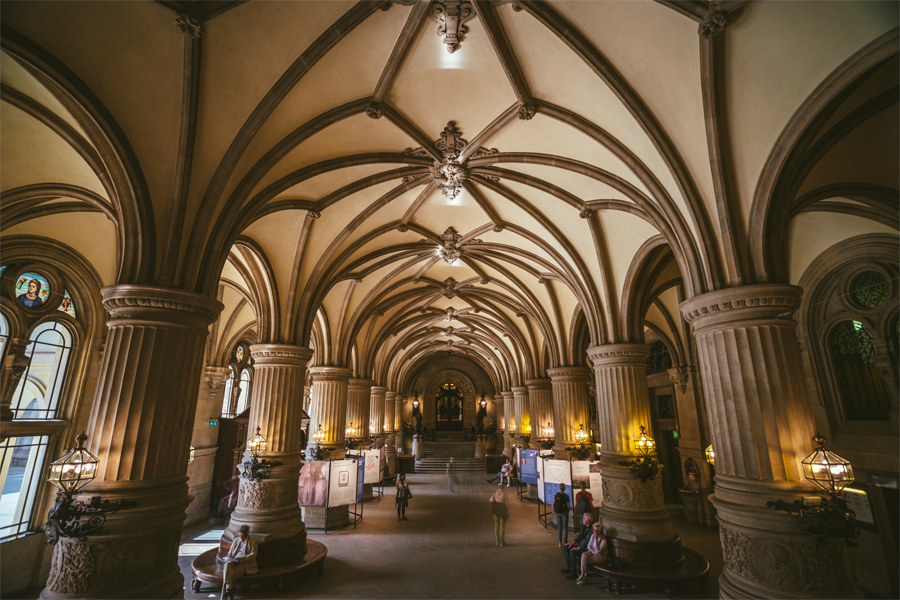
column 208, row 568
column 669, row 576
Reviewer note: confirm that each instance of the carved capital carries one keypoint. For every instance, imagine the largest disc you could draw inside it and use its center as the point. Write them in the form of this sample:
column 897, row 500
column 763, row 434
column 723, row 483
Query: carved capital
column 619, row 354
column 330, row 374
column 360, row 384
column 189, row 26
column 535, row 385
column 280, row 355
column 570, row 373
column 680, row 376
column 153, row 303
column 761, row 301
column 712, row 25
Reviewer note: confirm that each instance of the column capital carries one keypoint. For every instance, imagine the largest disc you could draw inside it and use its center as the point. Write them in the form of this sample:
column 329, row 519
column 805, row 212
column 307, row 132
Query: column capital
column 759, row 301
column 360, row 383
column 538, row 384
column 330, row 374
column 286, row 355
column 507, row 394
column 380, row 389
column 150, row 303
column 619, row 354
column 519, row 389
column 570, row 373
column 680, row 376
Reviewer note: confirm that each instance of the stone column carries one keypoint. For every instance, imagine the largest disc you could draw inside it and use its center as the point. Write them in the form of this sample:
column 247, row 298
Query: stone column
column 205, row 440
column 140, row 430
column 307, row 395
column 761, row 429
column 398, row 422
column 359, row 397
column 500, row 405
column 540, row 395
column 390, row 426
column 328, row 408
column 632, row 510
column 509, row 420
column 523, row 412
column 376, row 414
column 570, row 406
column 15, row 361
column 269, row 507
column 693, row 440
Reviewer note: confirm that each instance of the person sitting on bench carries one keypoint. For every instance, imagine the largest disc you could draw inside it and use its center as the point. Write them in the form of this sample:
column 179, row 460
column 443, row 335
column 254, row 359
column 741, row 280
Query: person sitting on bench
column 572, row 550
column 240, row 561
column 504, row 471
column 595, row 554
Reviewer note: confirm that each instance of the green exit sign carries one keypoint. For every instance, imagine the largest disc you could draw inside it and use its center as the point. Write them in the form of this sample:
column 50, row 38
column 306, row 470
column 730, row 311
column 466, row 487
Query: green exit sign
column 674, row 433
column 213, row 422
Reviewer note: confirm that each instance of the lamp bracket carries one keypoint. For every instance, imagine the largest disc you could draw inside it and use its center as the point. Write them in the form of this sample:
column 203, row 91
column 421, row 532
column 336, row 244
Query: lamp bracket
column 643, row 468
column 830, row 519
column 64, row 519
column 257, row 469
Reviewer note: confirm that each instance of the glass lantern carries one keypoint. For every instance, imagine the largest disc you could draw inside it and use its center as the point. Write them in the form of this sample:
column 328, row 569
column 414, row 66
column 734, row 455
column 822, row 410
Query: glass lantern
column 826, row 469
column 351, row 431
column 548, row 430
column 710, row 455
column 645, row 444
column 319, row 436
column 257, row 444
column 74, row 470
column 581, row 435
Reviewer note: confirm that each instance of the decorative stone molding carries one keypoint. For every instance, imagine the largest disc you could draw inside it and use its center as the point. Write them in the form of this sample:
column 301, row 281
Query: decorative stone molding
column 526, row 112
column 585, row 213
column 402, row 228
column 75, row 567
column 619, row 354
column 189, row 26
column 267, row 494
column 329, row 374
column 450, row 251
column 681, row 375
column 146, row 302
column 286, row 354
column 451, row 17
column 373, row 111
column 760, row 301
column 313, row 214
column 712, row 25
column 568, row 373
column 215, row 378
column 448, row 288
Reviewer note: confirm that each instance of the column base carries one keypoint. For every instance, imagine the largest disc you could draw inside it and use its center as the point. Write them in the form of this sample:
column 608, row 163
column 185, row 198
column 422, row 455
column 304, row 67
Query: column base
column 314, row 516
column 633, row 510
column 419, row 446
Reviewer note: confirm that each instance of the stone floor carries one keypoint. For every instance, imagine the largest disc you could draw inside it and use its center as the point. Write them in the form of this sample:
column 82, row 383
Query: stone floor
column 446, row 550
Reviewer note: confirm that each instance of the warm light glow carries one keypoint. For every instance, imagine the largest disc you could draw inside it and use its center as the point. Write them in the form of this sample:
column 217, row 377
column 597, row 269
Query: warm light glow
column 826, row 469
column 76, row 469
column 548, row 430
column 319, row 436
column 351, row 431
column 191, row 455
column 257, row 444
column 644, row 443
column 581, row 435
column 528, row 429
column 710, row 455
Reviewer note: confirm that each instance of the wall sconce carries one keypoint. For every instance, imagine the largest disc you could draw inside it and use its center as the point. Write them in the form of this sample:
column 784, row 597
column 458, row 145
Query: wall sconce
column 710, row 455
column 581, row 435
column 548, row 430
column 351, row 431
column 192, row 455
column 582, row 451
column 643, row 468
column 416, row 402
column 71, row 473
column 320, row 453
column 256, row 469
column 827, row 517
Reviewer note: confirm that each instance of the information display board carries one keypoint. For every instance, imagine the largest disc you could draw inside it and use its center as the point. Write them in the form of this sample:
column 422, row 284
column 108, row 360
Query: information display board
column 313, row 483
column 360, row 478
column 540, row 474
column 372, row 463
column 589, row 473
column 342, row 487
column 555, row 473
column 528, row 466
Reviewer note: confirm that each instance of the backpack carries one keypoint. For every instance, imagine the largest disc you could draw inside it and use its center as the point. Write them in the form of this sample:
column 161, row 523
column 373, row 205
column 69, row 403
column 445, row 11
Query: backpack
column 559, row 503
column 584, row 505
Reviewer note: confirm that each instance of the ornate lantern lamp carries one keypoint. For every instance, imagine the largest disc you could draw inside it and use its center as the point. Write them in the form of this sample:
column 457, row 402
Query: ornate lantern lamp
column 826, row 469
column 416, row 402
column 710, row 455
column 257, row 469
column 547, row 442
column 192, row 455
column 69, row 474
column 548, row 430
column 644, row 443
column 643, row 468
column 582, row 451
column 351, row 431
column 318, row 437
column 581, row 435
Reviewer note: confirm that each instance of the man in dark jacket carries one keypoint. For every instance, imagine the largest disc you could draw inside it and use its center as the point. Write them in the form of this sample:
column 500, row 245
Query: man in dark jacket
column 572, row 551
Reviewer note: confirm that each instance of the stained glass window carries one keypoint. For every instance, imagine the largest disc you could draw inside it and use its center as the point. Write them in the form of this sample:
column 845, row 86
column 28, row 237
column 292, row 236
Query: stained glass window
column 239, row 354
column 659, row 360
column 861, row 388
column 42, row 381
column 32, row 290
column 67, row 305
column 869, row 289
column 21, row 464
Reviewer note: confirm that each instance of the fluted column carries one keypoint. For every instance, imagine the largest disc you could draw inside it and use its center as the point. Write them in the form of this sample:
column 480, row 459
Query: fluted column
column 523, row 412
column 269, row 507
column 377, row 399
column 328, row 408
column 390, row 424
column 359, row 398
column 540, row 397
column 509, row 421
column 399, row 442
column 140, row 430
column 570, row 406
column 633, row 509
column 204, row 440
column 761, row 429
column 501, row 422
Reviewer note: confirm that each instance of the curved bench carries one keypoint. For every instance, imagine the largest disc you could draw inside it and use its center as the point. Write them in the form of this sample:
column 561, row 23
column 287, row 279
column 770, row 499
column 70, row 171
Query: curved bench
column 693, row 569
column 206, row 568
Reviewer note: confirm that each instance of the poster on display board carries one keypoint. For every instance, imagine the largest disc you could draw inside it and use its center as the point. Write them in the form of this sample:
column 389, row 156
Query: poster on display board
column 555, row 473
column 589, row 473
column 360, row 478
column 372, row 462
column 540, row 475
column 528, row 466
column 313, row 483
column 342, row 488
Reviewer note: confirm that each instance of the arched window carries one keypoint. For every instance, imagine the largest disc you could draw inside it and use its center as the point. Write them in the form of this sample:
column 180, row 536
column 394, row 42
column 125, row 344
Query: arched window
column 853, row 357
column 659, row 360
column 51, row 344
column 4, row 334
column 244, row 397
column 226, row 397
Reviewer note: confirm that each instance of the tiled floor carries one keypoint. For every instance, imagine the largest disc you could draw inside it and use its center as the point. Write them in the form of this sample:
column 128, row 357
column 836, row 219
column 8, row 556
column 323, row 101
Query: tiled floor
column 446, row 550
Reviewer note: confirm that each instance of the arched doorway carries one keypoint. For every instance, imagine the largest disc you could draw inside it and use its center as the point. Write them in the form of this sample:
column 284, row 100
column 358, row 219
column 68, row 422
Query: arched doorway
column 449, row 402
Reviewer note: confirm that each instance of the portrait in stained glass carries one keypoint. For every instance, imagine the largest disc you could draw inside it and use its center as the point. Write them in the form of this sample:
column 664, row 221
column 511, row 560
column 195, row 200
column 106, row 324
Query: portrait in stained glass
column 239, row 354
column 67, row 305
column 32, row 290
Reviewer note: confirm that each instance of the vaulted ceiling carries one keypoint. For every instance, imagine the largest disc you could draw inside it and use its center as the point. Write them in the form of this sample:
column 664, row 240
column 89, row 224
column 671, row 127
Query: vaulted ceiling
column 354, row 178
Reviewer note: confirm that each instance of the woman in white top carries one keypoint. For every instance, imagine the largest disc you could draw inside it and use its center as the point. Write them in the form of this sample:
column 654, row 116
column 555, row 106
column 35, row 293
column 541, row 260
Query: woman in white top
column 595, row 554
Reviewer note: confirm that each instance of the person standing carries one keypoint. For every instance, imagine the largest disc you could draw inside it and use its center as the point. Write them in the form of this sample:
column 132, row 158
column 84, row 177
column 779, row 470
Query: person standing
column 451, row 475
column 500, row 510
column 403, row 496
column 572, row 551
column 584, row 504
column 561, row 507
column 240, row 561
column 596, row 552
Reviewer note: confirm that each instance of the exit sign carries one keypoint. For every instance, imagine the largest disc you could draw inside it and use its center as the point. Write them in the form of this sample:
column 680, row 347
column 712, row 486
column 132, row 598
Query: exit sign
column 213, row 422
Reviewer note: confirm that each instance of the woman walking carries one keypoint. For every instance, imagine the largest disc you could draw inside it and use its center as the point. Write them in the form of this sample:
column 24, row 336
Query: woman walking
column 500, row 510
column 403, row 496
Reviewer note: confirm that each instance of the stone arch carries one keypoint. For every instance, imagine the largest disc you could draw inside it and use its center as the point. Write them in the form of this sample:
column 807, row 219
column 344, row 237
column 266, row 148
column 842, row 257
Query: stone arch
column 462, row 382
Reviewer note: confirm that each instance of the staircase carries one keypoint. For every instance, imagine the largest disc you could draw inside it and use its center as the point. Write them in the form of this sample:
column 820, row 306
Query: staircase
column 437, row 455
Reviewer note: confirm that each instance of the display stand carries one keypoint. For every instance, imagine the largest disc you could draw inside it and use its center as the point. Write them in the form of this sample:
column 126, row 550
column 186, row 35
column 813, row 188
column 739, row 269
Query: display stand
column 552, row 472
column 526, row 467
column 355, row 508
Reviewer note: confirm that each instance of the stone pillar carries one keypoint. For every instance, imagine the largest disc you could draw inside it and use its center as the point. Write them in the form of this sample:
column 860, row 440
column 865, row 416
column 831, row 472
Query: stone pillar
column 632, row 510
column 693, row 440
column 15, row 361
column 140, row 430
column 205, row 440
column 359, row 397
column 509, row 421
column 376, row 413
column 398, row 423
column 418, row 446
column 523, row 412
column 328, row 408
column 499, row 403
column 269, row 507
column 570, row 406
column 540, row 396
column 761, row 429
column 390, row 425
